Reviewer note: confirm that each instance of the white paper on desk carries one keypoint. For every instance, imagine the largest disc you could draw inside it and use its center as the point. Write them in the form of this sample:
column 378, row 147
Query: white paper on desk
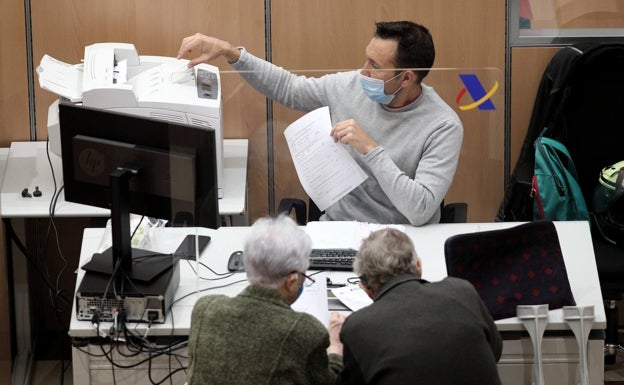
column 352, row 296
column 342, row 234
column 325, row 168
column 61, row 78
column 313, row 299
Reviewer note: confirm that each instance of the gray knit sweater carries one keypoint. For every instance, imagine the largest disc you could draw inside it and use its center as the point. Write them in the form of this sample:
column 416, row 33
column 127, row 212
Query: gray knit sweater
column 256, row 338
column 409, row 172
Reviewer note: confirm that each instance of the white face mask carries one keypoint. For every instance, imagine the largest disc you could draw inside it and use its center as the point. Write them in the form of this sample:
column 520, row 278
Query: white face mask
column 374, row 89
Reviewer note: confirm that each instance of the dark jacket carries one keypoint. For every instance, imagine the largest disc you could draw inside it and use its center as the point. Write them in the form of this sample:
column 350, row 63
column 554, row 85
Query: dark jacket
column 422, row 333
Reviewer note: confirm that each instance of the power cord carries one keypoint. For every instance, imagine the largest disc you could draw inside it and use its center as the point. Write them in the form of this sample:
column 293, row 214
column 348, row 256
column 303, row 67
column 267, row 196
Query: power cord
column 15, row 239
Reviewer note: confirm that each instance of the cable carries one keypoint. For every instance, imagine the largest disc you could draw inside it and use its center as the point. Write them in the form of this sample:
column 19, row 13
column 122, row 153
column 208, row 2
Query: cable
column 139, row 344
column 11, row 232
column 220, row 275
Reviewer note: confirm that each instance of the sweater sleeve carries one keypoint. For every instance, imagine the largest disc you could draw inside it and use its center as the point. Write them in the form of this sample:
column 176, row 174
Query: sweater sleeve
column 294, row 91
column 419, row 198
column 309, row 337
column 194, row 333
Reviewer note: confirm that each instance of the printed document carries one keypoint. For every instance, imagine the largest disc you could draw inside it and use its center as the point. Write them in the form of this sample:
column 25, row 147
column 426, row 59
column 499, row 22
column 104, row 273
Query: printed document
column 325, row 168
column 352, row 296
column 313, row 299
column 61, row 78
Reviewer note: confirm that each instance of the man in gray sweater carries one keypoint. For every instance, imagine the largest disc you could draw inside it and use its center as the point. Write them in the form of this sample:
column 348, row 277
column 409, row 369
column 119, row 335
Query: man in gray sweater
column 399, row 130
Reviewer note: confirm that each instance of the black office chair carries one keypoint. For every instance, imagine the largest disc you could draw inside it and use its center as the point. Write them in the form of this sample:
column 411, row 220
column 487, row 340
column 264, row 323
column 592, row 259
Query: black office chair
column 499, row 263
column 456, row 212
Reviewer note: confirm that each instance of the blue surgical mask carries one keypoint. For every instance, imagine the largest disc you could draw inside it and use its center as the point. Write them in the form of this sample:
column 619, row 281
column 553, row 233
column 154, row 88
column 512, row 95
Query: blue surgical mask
column 374, row 89
column 299, row 292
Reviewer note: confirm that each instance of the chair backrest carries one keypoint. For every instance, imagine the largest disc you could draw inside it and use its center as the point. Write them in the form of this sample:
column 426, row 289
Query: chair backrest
column 521, row 265
column 579, row 102
column 456, row 212
column 452, row 213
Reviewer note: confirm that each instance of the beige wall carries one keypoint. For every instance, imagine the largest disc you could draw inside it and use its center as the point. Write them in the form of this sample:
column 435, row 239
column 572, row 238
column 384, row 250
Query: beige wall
column 13, row 115
column 305, row 35
column 326, row 34
column 63, row 28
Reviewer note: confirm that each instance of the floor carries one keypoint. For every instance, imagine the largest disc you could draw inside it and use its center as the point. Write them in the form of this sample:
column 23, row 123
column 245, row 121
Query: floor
column 614, row 374
column 48, row 373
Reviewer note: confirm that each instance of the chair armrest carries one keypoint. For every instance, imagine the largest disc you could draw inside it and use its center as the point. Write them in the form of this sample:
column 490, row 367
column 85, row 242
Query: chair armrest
column 286, row 206
column 454, row 213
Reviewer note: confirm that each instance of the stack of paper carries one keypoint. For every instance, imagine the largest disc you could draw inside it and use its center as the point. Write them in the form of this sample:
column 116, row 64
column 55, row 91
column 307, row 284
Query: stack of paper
column 313, row 299
column 61, row 78
column 352, row 296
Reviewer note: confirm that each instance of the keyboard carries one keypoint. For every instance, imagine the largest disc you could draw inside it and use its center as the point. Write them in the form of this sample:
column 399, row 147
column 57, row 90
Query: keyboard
column 332, row 259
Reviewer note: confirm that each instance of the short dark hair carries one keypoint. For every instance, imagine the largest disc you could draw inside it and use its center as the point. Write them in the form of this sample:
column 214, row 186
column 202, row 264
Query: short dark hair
column 415, row 47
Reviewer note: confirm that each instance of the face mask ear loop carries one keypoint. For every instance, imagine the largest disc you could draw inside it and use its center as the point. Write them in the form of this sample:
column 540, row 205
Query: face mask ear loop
column 400, row 86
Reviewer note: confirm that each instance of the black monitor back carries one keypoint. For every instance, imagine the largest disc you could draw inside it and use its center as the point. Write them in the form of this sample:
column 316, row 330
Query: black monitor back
column 176, row 163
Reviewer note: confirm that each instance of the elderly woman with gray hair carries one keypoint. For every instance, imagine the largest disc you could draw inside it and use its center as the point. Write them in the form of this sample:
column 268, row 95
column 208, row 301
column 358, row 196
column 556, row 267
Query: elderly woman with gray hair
column 415, row 332
column 255, row 337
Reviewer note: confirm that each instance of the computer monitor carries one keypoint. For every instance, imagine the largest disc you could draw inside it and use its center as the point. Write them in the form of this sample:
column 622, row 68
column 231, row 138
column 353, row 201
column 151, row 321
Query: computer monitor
column 133, row 164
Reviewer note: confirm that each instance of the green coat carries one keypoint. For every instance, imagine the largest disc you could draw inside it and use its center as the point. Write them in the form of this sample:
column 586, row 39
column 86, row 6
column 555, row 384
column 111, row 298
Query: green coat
column 256, row 338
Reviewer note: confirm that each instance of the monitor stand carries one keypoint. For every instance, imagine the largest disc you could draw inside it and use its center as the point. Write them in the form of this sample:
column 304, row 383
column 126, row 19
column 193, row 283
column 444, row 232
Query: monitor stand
column 146, row 265
column 121, row 260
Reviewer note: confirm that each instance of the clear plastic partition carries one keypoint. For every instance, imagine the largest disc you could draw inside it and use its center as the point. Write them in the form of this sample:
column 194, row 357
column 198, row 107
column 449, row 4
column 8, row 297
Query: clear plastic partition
column 475, row 94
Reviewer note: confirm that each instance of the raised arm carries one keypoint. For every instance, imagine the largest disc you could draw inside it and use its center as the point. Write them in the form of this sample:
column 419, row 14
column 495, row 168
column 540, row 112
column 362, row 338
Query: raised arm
column 209, row 48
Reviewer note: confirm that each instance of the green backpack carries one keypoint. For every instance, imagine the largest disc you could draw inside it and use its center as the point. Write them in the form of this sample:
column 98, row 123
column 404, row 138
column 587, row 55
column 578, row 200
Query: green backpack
column 555, row 190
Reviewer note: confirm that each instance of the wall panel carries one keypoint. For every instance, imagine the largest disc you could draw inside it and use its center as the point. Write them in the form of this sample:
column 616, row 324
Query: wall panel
column 156, row 27
column 13, row 74
column 13, row 126
column 328, row 34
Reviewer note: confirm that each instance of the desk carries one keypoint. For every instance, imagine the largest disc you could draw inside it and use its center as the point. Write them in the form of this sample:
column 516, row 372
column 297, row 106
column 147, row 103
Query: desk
column 560, row 355
column 26, row 165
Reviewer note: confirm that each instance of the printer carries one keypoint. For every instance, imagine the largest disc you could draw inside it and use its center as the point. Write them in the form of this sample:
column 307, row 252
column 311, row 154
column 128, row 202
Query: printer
column 114, row 77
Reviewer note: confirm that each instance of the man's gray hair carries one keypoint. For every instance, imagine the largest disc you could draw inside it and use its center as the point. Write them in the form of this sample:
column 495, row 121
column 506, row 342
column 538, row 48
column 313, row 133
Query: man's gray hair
column 385, row 254
column 274, row 248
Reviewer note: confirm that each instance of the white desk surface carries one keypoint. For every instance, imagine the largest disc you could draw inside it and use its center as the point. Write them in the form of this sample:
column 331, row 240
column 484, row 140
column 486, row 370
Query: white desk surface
column 27, row 166
column 574, row 237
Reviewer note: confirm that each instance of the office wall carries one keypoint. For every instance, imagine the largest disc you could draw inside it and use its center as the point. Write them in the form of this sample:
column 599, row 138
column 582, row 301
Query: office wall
column 13, row 81
column 328, row 34
column 63, row 28
column 305, row 35
column 13, row 115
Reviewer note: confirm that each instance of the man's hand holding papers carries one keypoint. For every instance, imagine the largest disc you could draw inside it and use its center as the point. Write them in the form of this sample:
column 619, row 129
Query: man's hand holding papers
column 325, row 168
